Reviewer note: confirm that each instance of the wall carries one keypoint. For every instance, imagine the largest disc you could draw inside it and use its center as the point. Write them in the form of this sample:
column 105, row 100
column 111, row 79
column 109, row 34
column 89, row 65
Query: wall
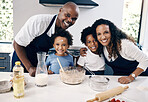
column 109, row 9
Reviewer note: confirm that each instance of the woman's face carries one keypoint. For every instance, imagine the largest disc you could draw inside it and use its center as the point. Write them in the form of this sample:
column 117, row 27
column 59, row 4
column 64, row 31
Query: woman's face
column 60, row 45
column 91, row 43
column 103, row 34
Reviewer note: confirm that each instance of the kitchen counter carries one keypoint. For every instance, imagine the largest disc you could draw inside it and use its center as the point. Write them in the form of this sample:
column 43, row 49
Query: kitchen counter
column 57, row 91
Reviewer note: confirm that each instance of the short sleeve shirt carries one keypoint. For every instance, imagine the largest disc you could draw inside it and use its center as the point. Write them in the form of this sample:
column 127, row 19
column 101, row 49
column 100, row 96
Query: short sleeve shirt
column 34, row 27
column 92, row 61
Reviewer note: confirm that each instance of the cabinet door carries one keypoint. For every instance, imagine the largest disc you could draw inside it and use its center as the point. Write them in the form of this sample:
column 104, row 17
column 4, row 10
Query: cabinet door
column 4, row 62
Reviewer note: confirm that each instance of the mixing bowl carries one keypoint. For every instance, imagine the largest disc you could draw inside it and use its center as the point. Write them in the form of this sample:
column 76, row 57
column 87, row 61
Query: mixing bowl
column 72, row 75
column 98, row 83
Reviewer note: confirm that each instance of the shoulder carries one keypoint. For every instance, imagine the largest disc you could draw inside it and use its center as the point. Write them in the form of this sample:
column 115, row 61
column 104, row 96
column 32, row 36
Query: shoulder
column 68, row 55
column 125, row 43
column 52, row 55
column 40, row 18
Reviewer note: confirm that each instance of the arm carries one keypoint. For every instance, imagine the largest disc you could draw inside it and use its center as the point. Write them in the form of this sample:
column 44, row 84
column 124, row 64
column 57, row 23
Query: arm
column 20, row 50
column 128, row 79
column 130, row 51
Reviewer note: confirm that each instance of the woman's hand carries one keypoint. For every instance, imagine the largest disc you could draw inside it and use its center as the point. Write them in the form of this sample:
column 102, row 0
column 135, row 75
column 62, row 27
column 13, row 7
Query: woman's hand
column 125, row 79
column 128, row 79
column 83, row 51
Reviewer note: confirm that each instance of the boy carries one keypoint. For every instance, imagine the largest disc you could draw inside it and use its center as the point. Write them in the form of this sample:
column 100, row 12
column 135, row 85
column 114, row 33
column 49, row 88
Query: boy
column 92, row 60
column 61, row 41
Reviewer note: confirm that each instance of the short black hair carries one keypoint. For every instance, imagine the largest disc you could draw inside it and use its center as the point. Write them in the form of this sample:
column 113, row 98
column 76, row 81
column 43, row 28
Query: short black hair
column 62, row 33
column 87, row 31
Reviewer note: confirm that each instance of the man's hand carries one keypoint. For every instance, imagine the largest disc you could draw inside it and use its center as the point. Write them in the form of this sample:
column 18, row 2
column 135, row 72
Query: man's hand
column 32, row 71
column 83, row 51
column 125, row 79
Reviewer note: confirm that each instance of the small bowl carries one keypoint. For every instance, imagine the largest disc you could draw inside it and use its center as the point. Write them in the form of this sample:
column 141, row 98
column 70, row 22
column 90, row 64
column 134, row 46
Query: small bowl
column 72, row 75
column 98, row 83
column 5, row 86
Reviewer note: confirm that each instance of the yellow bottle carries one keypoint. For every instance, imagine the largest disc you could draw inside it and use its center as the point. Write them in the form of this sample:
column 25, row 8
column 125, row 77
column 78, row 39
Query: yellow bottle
column 18, row 80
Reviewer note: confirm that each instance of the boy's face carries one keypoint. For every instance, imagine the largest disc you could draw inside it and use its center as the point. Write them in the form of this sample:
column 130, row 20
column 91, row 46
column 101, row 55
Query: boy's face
column 91, row 43
column 60, row 45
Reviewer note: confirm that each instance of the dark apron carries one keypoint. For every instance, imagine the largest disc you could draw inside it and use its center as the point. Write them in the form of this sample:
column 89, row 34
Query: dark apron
column 40, row 43
column 122, row 66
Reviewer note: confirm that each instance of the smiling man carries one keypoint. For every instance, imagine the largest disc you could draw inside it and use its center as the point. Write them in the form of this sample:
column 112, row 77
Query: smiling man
column 35, row 35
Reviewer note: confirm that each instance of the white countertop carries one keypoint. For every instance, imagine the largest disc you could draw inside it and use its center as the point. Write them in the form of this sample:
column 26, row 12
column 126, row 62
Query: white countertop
column 57, row 91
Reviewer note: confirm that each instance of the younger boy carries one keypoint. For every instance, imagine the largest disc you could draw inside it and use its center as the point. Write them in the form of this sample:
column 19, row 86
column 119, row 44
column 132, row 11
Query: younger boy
column 61, row 41
column 92, row 60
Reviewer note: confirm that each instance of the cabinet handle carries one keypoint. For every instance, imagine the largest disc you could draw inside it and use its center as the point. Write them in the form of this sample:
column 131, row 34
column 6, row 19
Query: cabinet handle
column 2, row 58
column 2, row 67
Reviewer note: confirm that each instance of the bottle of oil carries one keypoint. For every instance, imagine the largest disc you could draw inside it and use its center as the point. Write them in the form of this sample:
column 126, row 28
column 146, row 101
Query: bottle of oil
column 18, row 80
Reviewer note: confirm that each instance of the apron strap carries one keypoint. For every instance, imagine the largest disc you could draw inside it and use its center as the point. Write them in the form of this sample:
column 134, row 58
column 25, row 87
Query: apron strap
column 50, row 24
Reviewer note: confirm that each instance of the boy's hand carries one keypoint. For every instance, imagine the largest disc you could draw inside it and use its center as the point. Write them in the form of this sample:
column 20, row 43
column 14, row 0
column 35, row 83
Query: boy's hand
column 83, row 51
column 50, row 72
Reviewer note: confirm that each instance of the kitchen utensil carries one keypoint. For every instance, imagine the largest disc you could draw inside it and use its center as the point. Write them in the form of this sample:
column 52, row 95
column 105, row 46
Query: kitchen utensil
column 41, row 76
column 72, row 75
column 108, row 94
column 92, row 73
column 60, row 64
column 98, row 83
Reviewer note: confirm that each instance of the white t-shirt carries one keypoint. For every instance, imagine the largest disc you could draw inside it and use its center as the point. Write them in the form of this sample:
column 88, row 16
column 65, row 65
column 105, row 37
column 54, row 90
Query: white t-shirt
column 130, row 52
column 35, row 26
column 92, row 61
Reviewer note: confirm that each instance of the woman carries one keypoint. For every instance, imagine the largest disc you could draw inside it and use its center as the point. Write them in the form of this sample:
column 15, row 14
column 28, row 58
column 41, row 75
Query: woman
column 120, row 51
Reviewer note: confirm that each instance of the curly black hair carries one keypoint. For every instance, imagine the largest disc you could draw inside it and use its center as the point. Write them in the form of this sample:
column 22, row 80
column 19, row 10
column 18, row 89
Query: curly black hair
column 87, row 31
column 62, row 33
column 116, row 36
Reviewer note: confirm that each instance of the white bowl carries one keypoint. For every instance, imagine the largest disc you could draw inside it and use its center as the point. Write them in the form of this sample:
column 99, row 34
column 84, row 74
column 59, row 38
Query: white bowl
column 98, row 83
column 72, row 75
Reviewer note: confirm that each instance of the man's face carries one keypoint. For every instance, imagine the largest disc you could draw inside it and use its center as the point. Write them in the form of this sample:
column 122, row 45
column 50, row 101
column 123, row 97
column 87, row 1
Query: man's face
column 67, row 17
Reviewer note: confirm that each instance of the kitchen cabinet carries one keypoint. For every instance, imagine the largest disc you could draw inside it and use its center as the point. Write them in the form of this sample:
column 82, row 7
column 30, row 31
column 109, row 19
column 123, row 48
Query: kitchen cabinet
column 4, row 62
column 6, row 49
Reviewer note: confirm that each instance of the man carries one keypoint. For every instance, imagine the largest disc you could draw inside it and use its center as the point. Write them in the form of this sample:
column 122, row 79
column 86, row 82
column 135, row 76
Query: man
column 34, row 36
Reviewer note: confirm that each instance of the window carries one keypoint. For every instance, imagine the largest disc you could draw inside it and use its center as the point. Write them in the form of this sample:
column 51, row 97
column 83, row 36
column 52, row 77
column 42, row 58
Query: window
column 132, row 18
column 6, row 20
